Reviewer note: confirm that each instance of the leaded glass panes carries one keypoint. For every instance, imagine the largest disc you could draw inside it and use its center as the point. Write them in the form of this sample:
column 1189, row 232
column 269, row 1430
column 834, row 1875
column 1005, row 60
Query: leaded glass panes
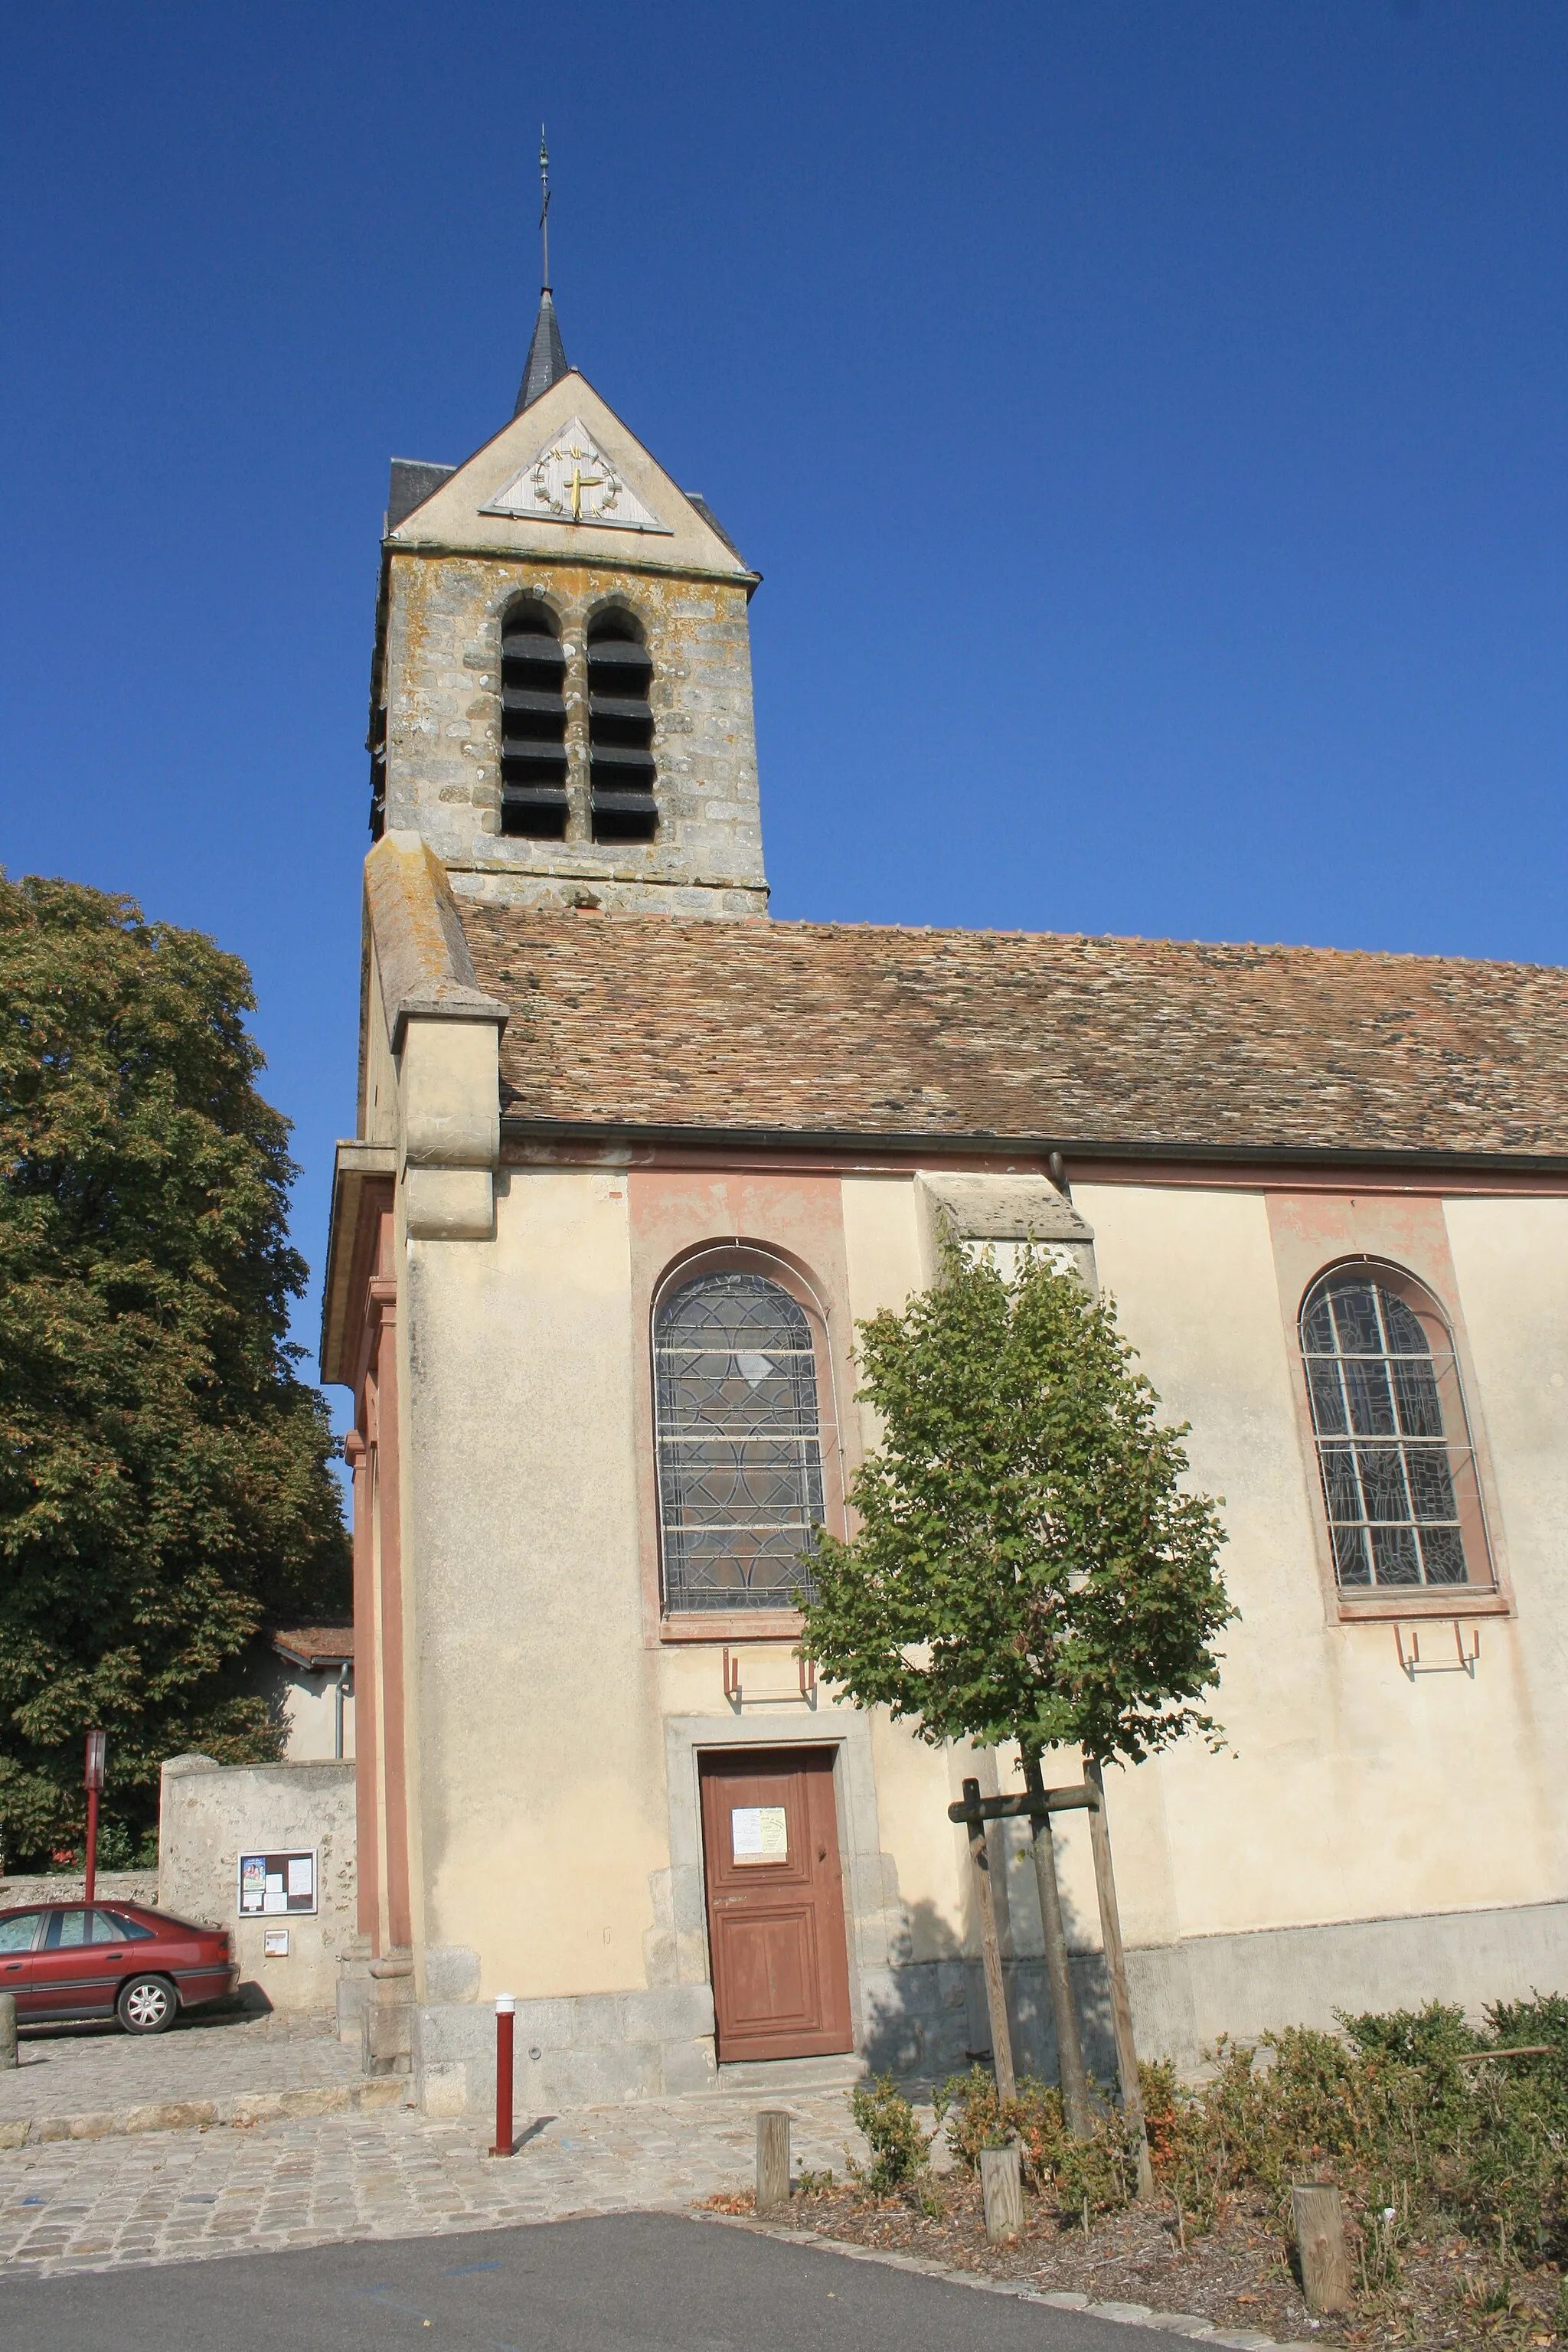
column 740, row 1447
column 1392, row 1461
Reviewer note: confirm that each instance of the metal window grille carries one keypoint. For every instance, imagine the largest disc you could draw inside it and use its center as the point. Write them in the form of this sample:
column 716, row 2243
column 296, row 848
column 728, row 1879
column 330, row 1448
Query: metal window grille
column 1392, row 1440
column 740, row 1444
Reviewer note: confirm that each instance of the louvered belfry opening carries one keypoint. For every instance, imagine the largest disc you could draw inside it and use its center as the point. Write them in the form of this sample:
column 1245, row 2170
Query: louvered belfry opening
column 534, row 726
column 376, row 746
column 620, row 730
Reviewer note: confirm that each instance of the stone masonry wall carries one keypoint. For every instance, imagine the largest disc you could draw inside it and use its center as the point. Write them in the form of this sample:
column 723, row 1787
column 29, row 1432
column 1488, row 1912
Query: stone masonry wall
column 442, row 683
column 211, row 1813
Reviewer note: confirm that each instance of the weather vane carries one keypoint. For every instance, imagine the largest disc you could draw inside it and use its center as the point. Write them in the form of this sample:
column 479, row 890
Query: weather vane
column 544, row 209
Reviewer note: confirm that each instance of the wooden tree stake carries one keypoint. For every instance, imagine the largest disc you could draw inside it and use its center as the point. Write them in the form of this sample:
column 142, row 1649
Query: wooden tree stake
column 7, row 2028
column 1320, row 2241
column 1002, row 2192
column 772, row 2159
column 1116, row 1967
column 991, row 1952
column 1069, row 2047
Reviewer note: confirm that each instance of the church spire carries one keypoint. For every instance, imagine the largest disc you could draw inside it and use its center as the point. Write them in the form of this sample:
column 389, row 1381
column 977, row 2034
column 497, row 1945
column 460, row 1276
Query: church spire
column 546, row 363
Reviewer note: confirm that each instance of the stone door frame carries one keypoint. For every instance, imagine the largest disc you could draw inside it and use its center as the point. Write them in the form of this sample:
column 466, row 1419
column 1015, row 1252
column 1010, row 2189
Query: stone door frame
column 870, row 1889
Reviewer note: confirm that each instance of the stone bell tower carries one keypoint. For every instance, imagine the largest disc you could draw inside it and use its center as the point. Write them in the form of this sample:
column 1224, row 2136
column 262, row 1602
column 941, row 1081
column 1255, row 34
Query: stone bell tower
column 560, row 698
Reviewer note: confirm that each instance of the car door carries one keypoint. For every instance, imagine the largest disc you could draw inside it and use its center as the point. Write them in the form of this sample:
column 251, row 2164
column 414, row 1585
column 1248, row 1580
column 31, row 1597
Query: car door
column 77, row 1967
column 17, row 1935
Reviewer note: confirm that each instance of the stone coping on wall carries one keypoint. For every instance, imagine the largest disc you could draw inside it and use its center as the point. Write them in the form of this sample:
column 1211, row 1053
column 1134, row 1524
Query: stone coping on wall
column 70, row 1886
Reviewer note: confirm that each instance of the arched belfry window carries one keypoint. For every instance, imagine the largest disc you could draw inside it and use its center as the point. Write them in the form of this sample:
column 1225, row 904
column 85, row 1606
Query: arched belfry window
column 740, row 1441
column 533, row 724
column 1393, row 1444
column 620, row 729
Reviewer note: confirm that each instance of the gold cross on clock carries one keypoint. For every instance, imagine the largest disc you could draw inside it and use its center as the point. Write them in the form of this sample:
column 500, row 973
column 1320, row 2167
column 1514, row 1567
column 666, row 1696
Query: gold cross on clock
column 579, row 482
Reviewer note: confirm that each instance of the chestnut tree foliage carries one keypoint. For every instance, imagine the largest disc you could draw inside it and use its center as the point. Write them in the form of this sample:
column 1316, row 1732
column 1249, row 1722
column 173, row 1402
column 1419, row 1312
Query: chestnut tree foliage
column 164, row 1479
column 1028, row 1565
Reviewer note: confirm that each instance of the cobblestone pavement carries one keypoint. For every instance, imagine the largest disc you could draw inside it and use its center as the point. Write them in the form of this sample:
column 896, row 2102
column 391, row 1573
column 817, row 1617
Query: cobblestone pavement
column 89, row 2068
column 178, row 2196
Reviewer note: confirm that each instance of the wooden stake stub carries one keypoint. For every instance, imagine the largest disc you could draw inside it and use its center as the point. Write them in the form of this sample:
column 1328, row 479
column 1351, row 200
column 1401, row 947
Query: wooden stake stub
column 1116, row 1968
column 772, row 2159
column 1320, row 2241
column 7, row 2028
column 990, row 1950
column 1058, row 1975
column 1002, row 2190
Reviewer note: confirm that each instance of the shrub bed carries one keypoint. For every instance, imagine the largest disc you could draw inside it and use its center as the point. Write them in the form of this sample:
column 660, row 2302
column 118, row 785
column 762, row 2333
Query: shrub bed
column 1450, row 2146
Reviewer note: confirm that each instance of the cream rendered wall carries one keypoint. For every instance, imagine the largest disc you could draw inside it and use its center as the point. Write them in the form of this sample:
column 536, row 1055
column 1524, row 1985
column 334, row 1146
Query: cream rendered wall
column 309, row 1705
column 1349, row 1792
column 886, row 1250
column 1510, row 1258
column 542, row 1829
column 887, row 1247
column 541, row 1778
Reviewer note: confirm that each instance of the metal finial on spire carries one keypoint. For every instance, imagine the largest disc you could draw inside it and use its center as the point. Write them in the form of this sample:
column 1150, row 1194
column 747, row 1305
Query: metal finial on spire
column 546, row 363
column 545, row 207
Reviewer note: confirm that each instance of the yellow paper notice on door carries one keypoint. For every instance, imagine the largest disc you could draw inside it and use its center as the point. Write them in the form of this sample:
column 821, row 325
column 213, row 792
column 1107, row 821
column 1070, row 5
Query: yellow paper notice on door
column 759, row 1833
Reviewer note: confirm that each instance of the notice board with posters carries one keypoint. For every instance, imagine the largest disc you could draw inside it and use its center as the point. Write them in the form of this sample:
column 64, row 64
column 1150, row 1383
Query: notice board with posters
column 272, row 1884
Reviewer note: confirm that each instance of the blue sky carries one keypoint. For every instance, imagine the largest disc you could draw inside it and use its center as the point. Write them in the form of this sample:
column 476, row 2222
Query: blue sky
column 1147, row 414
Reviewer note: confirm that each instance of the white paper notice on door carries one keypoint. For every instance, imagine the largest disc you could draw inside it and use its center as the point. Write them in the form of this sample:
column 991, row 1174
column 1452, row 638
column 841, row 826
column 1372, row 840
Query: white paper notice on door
column 758, row 1833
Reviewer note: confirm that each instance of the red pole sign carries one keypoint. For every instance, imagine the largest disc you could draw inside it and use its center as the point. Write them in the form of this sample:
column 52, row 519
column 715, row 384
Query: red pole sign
column 94, row 1775
column 506, row 2009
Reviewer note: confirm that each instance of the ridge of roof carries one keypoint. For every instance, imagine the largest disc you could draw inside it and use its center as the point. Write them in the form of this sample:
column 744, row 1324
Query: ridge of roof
column 756, row 927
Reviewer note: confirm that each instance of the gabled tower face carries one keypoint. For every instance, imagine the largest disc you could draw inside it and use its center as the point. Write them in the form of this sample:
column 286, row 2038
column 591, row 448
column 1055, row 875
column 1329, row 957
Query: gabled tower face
column 562, row 692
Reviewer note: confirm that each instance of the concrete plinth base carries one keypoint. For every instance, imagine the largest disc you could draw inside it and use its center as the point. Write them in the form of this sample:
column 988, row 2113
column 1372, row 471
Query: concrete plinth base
column 928, row 2019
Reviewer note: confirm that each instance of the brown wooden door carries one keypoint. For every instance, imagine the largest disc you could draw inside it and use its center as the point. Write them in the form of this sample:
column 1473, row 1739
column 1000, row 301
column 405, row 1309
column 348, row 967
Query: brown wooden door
column 775, row 1904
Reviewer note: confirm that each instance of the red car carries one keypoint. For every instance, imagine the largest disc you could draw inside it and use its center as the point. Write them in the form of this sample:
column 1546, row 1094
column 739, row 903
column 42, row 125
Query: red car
column 117, row 1960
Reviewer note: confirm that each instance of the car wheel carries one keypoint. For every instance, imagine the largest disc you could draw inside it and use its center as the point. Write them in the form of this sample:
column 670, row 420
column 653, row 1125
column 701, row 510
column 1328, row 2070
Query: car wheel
column 147, row 2005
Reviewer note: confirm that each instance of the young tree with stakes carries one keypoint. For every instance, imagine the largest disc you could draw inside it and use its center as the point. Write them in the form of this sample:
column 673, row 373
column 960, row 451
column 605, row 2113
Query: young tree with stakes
column 1027, row 1564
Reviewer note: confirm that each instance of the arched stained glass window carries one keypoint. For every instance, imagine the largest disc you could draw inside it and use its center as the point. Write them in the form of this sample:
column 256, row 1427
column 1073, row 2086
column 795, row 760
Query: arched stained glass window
column 740, row 1443
column 1399, row 1478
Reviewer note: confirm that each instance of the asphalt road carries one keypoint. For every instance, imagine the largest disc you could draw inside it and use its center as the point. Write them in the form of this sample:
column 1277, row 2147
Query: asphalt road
column 631, row 2282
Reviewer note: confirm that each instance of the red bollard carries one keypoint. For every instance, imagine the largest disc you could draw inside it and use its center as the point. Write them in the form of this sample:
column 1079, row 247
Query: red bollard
column 93, row 1777
column 506, row 2011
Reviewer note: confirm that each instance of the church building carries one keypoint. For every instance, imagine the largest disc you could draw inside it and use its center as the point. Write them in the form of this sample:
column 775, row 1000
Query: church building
column 630, row 1162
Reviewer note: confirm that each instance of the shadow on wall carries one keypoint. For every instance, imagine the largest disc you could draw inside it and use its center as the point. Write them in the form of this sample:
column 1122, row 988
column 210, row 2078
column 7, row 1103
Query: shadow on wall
column 927, row 2019
column 924, row 2019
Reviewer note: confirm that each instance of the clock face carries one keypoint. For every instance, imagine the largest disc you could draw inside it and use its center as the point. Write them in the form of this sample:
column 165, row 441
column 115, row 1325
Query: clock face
column 572, row 482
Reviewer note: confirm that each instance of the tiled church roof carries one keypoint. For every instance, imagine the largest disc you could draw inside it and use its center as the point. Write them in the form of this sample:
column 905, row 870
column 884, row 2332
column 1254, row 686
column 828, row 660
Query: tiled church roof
column 644, row 1022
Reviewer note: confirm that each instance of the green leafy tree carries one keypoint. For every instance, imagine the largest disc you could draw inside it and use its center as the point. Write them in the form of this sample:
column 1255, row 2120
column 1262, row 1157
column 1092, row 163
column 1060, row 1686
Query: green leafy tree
column 1028, row 1565
column 164, row 1479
